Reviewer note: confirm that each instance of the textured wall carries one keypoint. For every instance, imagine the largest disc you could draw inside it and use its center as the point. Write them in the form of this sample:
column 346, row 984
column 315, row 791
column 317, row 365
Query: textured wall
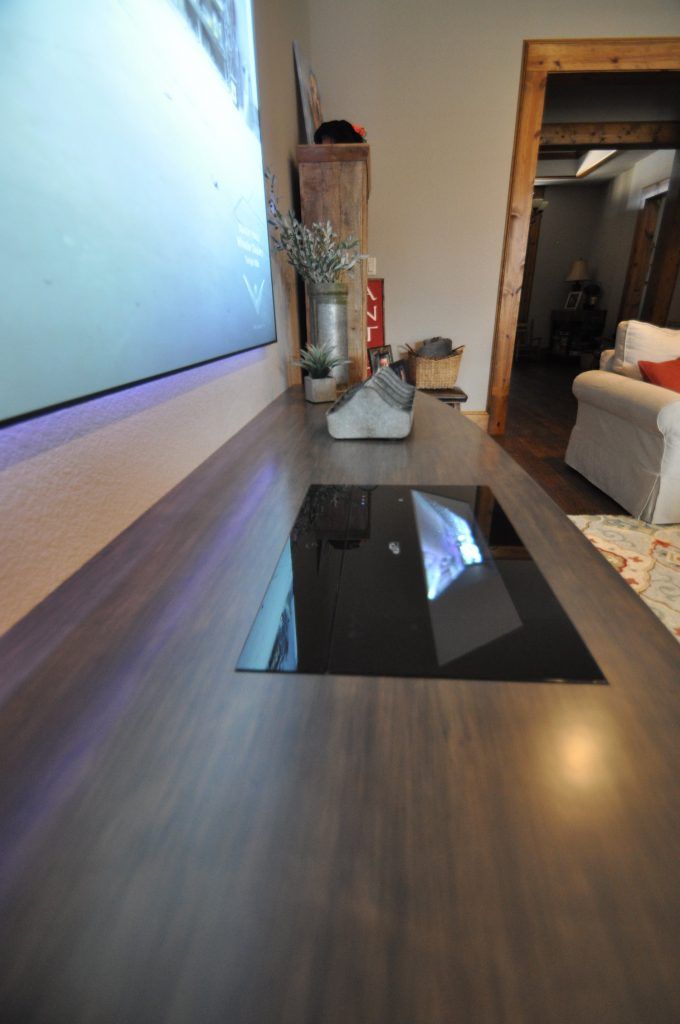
column 71, row 481
column 435, row 84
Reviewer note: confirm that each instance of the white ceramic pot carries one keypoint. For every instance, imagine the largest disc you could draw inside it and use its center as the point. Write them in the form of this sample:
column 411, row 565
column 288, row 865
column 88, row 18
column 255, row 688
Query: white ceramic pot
column 320, row 389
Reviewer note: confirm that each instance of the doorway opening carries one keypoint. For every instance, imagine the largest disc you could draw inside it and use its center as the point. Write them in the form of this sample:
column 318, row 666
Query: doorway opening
column 557, row 58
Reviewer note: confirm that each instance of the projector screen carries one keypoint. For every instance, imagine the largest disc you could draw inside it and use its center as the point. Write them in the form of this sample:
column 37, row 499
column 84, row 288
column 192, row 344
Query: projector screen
column 132, row 205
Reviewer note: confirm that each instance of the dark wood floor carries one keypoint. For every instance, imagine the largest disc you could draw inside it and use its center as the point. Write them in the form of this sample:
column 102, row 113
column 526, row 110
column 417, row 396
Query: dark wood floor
column 542, row 412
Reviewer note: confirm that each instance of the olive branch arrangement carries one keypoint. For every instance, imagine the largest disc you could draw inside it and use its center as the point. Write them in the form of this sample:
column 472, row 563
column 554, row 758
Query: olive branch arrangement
column 316, row 252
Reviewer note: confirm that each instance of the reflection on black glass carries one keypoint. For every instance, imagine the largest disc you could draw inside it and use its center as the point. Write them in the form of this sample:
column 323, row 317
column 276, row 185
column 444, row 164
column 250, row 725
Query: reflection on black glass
column 272, row 643
column 423, row 581
column 447, row 543
column 469, row 603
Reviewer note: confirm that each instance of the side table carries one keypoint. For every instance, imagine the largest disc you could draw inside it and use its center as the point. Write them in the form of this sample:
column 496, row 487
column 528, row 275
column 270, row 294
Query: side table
column 453, row 397
column 573, row 331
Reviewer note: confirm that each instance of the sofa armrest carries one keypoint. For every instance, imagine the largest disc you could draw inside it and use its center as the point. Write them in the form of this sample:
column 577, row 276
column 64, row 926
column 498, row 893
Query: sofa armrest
column 654, row 409
column 607, row 358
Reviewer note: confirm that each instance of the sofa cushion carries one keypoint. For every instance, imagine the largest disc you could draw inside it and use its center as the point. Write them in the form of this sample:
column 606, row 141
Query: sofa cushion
column 666, row 375
column 637, row 341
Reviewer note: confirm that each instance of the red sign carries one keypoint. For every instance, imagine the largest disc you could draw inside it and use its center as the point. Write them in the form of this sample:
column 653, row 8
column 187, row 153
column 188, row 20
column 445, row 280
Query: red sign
column 375, row 312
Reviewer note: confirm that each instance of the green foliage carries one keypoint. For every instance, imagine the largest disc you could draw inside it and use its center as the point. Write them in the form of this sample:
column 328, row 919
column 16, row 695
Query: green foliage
column 318, row 361
column 316, row 252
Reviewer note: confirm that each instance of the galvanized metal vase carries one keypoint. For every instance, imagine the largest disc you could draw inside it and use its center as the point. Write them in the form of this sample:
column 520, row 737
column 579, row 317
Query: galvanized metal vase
column 328, row 322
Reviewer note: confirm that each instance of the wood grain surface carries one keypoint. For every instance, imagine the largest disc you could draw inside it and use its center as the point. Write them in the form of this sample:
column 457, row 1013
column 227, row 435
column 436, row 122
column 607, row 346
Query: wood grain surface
column 541, row 415
column 184, row 844
column 631, row 134
column 660, row 53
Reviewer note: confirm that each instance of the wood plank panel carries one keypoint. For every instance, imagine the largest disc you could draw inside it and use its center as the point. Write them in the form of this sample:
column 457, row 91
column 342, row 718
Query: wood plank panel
column 334, row 187
column 666, row 260
column 184, row 843
column 334, row 152
column 631, row 134
column 638, row 263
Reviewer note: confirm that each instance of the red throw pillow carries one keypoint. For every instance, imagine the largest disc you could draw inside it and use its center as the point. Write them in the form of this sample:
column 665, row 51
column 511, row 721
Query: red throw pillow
column 666, row 375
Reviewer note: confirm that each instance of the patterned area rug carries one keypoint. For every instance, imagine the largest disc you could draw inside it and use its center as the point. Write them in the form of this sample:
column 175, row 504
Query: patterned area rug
column 648, row 557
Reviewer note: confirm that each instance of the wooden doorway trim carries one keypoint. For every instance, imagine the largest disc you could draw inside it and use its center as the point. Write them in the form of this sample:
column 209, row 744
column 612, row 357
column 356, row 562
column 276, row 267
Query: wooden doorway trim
column 540, row 58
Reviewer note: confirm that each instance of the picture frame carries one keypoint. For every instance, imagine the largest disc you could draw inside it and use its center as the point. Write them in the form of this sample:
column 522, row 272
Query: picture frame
column 573, row 300
column 310, row 98
column 380, row 357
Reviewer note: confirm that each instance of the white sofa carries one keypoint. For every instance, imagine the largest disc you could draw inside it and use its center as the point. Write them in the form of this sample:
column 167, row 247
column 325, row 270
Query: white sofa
column 626, row 439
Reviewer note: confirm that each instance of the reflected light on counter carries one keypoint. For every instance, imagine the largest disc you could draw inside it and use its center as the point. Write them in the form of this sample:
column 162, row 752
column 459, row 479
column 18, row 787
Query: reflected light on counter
column 581, row 758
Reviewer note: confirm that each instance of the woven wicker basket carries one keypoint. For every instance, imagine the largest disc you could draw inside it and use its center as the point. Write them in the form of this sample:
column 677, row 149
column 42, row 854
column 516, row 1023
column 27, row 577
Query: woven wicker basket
column 435, row 374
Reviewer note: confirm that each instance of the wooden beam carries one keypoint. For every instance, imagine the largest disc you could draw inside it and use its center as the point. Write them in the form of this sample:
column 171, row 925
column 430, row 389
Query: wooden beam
column 617, row 134
column 666, row 260
column 564, row 55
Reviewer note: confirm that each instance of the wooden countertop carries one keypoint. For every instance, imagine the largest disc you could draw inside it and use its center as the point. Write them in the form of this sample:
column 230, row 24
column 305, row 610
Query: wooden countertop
column 183, row 843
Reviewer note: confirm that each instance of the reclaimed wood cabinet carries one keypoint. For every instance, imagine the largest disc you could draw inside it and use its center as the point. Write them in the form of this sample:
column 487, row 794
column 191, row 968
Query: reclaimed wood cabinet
column 334, row 186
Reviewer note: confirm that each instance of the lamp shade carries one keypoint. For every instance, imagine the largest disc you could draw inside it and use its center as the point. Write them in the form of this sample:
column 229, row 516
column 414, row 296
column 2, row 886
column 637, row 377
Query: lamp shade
column 579, row 271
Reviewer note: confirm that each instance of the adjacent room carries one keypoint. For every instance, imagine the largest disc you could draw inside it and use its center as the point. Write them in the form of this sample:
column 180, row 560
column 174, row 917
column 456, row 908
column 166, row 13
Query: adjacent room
column 598, row 205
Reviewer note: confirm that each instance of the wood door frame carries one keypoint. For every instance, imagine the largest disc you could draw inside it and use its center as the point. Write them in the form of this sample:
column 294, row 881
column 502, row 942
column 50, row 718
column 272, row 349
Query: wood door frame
column 540, row 58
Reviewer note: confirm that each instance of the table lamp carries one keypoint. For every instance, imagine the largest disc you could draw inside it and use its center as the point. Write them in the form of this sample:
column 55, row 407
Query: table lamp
column 578, row 273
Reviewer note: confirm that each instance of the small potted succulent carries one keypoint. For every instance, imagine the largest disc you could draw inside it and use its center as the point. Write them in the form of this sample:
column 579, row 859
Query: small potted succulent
column 319, row 361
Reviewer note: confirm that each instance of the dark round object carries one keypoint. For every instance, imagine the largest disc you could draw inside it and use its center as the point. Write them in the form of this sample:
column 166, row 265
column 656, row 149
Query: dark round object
column 336, row 131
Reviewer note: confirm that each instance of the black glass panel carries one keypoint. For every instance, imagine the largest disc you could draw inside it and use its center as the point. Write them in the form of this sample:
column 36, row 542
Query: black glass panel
column 412, row 581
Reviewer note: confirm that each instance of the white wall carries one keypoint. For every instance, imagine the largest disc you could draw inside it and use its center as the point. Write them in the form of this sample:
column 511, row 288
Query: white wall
column 436, row 84
column 71, row 481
